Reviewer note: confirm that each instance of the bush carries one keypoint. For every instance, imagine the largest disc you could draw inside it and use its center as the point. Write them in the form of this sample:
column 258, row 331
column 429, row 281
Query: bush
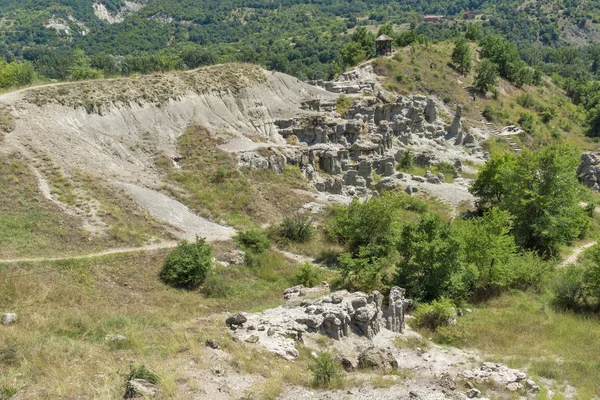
column 435, row 314
column 406, row 161
column 569, row 287
column 297, row 228
column 527, row 122
column 253, row 240
column 187, row 265
column 325, row 370
column 141, row 372
column 308, row 275
column 526, row 100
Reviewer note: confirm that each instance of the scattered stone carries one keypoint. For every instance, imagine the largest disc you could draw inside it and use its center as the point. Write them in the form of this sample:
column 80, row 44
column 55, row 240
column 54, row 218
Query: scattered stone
column 431, row 178
column 237, row 319
column 514, row 386
column 137, row 388
column 115, row 338
column 213, row 343
column 472, row 393
column 9, row 318
column 446, row 381
column 252, row 339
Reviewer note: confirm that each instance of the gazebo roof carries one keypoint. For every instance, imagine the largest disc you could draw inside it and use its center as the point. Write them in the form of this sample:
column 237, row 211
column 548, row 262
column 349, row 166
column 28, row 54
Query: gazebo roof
column 383, row 38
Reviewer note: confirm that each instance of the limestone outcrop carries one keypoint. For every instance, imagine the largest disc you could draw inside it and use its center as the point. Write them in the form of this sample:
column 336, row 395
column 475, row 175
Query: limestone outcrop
column 589, row 170
column 337, row 315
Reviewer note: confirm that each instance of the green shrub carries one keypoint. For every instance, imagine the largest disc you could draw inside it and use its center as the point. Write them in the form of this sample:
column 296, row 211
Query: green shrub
column 527, row 122
column 308, row 275
column 7, row 392
column 297, row 228
column 435, row 314
column 141, row 372
column 254, row 240
column 187, row 265
column 446, row 168
column 526, row 100
column 264, row 265
column 326, row 372
column 568, row 287
column 406, row 160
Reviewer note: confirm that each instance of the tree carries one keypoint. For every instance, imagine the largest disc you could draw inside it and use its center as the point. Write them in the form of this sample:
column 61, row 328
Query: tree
column 474, row 32
column 431, row 260
column 487, row 75
column 352, row 53
column 489, row 186
column 386, row 29
column 407, row 38
column 461, row 56
column 541, row 192
column 82, row 68
column 366, row 41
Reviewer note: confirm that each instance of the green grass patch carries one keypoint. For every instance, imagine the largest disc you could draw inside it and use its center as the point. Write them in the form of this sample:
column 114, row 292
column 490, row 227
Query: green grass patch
column 523, row 330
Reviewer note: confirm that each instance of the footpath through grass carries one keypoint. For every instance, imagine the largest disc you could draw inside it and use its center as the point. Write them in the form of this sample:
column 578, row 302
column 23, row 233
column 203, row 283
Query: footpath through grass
column 525, row 331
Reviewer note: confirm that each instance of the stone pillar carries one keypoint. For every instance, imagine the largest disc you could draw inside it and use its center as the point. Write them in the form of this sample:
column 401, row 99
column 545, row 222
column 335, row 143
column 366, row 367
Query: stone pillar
column 394, row 315
column 455, row 128
column 430, row 111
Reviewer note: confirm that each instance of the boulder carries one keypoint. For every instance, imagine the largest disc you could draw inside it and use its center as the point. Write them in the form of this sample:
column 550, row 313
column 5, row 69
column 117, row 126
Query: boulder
column 431, row 178
column 236, row 319
column 472, row 393
column 140, row 388
column 373, row 358
column 9, row 318
column 213, row 343
column 387, row 183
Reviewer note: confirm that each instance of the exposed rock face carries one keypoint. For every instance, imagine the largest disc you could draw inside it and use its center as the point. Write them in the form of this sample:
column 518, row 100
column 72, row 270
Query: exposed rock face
column 338, row 315
column 589, row 170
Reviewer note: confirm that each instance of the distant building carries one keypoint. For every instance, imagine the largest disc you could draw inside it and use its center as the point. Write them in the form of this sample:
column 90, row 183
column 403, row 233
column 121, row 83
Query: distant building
column 383, row 45
column 434, row 18
column 469, row 15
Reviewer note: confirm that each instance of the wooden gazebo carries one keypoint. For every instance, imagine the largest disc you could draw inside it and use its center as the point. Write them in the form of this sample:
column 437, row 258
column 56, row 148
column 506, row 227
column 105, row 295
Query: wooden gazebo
column 383, row 45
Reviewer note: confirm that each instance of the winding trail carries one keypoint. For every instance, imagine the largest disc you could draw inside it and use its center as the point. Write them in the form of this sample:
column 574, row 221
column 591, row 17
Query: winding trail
column 572, row 259
column 123, row 250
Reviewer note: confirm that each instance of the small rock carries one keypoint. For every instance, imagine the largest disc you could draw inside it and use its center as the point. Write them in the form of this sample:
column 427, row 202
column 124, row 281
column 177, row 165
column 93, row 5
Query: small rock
column 213, row 343
column 115, row 338
column 447, row 382
column 237, row 319
column 217, row 370
column 252, row 339
column 271, row 331
column 140, row 388
column 530, row 385
column 349, row 363
column 9, row 318
column 472, row 393
column 514, row 386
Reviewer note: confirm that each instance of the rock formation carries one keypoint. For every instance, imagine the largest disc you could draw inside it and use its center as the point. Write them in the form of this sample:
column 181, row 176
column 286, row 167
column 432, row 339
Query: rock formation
column 589, row 170
column 338, row 315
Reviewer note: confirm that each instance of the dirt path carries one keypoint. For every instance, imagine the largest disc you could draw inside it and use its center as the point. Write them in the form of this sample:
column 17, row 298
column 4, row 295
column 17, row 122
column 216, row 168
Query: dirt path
column 572, row 259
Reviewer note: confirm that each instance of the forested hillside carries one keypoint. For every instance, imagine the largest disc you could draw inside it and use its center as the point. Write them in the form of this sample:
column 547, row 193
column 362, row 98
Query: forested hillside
column 302, row 39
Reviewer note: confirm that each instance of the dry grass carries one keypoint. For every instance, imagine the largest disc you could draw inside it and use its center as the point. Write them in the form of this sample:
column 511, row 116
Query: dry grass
column 57, row 348
column 96, row 96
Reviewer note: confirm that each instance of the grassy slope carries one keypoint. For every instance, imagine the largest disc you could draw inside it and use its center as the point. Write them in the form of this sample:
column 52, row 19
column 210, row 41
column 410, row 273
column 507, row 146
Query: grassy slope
column 214, row 186
column 410, row 72
column 523, row 330
column 30, row 225
column 57, row 348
